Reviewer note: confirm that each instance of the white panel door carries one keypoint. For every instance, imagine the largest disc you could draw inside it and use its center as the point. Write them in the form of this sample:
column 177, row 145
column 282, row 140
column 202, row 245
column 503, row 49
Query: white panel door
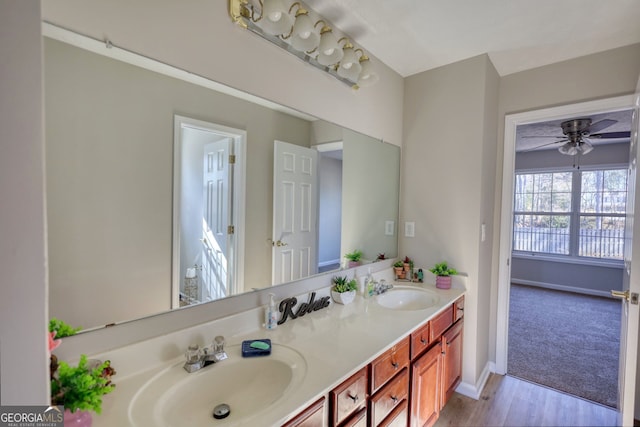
column 216, row 218
column 295, row 210
column 630, row 284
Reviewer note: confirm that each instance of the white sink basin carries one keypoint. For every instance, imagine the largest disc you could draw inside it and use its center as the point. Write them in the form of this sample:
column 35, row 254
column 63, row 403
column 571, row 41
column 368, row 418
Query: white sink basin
column 248, row 385
column 407, row 298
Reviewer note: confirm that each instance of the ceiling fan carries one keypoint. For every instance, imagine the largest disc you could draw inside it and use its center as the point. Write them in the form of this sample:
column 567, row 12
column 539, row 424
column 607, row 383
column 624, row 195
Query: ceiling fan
column 578, row 134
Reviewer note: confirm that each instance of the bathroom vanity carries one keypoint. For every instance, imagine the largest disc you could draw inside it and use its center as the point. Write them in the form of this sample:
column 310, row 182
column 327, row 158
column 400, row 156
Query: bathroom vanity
column 378, row 361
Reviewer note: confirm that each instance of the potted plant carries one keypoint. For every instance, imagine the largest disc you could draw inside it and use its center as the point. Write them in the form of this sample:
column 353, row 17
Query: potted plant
column 407, row 264
column 443, row 275
column 343, row 290
column 354, row 258
column 79, row 389
column 398, row 268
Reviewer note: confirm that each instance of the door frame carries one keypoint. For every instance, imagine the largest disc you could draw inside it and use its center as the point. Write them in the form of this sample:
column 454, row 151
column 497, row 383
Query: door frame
column 506, row 212
column 239, row 138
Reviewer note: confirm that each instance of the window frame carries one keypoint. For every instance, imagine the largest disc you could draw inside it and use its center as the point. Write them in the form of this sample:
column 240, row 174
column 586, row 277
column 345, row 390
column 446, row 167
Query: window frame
column 574, row 214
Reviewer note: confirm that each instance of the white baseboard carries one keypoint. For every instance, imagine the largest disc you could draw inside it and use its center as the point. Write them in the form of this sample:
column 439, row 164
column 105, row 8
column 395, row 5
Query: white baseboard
column 475, row 390
column 553, row 286
column 330, row 262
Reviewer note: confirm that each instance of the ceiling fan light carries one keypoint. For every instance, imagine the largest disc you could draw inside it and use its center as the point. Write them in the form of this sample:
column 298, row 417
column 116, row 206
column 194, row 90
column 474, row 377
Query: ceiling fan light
column 569, row 149
column 276, row 19
column 304, row 38
column 585, row 147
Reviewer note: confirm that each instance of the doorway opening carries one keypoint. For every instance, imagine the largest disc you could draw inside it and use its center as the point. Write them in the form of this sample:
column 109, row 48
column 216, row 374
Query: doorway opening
column 551, row 241
column 208, row 216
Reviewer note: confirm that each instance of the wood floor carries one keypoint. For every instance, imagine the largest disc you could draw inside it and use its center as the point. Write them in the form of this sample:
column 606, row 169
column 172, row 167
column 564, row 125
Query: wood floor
column 508, row 401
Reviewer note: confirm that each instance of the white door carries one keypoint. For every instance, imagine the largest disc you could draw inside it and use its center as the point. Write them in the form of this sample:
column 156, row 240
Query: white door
column 630, row 285
column 295, row 206
column 216, row 219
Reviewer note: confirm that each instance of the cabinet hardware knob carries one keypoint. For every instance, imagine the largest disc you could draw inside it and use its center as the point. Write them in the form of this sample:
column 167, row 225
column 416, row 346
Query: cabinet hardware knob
column 448, row 343
column 423, row 341
column 395, row 365
column 355, row 398
column 395, row 399
column 444, row 352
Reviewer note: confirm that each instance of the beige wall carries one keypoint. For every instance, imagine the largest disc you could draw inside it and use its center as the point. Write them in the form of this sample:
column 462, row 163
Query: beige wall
column 447, row 183
column 199, row 36
column 24, row 364
column 109, row 136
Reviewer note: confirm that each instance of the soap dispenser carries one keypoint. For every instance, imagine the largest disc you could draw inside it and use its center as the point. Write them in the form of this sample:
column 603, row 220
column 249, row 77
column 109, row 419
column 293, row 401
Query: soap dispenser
column 271, row 314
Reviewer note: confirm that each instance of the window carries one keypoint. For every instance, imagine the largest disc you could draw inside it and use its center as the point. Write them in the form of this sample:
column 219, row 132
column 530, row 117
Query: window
column 571, row 213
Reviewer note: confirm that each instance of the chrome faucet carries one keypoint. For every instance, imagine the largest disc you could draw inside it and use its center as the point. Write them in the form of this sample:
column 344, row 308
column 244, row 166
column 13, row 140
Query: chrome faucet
column 381, row 287
column 198, row 358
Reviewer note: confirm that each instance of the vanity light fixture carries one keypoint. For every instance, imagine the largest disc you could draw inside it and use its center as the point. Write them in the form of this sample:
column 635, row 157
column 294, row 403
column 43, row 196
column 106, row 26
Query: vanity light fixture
column 314, row 43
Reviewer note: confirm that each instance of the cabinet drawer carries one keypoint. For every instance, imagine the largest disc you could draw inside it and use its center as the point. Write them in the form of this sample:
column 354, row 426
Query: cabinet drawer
column 348, row 397
column 313, row 416
column 389, row 363
column 459, row 309
column 399, row 417
column 420, row 340
column 390, row 396
column 358, row 420
column 441, row 323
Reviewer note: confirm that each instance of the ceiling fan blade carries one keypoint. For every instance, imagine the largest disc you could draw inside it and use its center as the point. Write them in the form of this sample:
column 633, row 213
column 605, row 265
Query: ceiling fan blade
column 543, row 136
column 602, row 124
column 544, row 145
column 611, row 135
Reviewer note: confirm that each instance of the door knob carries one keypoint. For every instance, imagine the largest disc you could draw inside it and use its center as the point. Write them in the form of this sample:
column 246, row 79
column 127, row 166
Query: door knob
column 626, row 295
column 279, row 243
column 622, row 295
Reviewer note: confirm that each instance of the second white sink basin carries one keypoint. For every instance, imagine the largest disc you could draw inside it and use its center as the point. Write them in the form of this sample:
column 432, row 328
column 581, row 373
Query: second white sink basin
column 248, row 385
column 407, row 298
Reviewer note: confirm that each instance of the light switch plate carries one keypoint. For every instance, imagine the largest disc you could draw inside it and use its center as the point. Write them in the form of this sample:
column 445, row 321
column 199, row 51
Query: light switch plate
column 388, row 228
column 409, row 229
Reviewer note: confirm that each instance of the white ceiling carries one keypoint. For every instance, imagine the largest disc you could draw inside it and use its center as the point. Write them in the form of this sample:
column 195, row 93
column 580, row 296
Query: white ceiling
column 412, row 36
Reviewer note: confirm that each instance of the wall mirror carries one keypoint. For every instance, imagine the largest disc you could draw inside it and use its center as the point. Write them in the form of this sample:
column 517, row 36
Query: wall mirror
column 112, row 146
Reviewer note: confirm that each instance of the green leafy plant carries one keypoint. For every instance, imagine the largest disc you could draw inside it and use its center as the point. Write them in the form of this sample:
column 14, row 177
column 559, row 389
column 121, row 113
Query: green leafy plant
column 354, row 256
column 80, row 387
column 61, row 328
column 442, row 269
column 398, row 264
column 342, row 284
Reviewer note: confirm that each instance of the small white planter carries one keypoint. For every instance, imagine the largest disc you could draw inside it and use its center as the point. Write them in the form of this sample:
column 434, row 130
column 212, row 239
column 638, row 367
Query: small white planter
column 344, row 297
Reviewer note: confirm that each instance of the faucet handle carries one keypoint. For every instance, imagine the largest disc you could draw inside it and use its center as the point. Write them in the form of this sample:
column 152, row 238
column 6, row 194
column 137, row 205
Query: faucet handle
column 218, row 344
column 193, row 353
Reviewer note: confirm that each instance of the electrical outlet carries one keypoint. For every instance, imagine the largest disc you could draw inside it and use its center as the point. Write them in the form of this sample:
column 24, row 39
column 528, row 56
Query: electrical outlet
column 409, row 229
column 389, row 227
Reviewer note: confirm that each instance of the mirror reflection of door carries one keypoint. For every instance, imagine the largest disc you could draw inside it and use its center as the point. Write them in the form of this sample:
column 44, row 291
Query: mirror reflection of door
column 295, row 211
column 216, row 235
column 205, row 224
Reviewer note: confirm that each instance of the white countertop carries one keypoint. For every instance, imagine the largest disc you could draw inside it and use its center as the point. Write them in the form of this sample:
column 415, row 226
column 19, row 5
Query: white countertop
column 335, row 342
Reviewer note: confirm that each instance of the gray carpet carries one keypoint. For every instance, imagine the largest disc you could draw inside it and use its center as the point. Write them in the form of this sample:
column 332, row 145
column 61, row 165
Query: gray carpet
column 566, row 341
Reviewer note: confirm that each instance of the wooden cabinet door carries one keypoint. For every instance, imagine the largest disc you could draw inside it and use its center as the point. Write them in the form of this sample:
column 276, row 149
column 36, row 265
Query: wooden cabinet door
column 452, row 361
column 313, row 416
column 425, row 388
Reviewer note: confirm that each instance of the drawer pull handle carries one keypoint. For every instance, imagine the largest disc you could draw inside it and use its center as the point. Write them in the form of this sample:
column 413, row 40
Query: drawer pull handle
column 395, row 365
column 355, row 398
column 395, row 399
column 423, row 341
